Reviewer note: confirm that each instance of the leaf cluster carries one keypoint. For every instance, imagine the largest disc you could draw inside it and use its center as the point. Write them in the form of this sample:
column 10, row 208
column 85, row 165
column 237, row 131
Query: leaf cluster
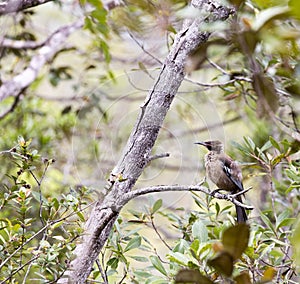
column 37, row 234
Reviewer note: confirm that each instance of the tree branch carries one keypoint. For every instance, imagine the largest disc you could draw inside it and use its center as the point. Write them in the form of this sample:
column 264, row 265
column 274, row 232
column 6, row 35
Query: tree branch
column 164, row 188
column 20, row 44
column 46, row 53
column 11, row 6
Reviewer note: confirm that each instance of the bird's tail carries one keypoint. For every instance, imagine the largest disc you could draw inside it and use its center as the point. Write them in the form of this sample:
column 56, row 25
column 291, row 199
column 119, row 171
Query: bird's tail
column 241, row 212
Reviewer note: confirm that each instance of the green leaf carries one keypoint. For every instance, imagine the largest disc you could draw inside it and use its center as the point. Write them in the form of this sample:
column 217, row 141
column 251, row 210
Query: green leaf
column 199, row 231
column 235, row 240
column 178, row 258
column 217, row 208
column 275, row 161
column 158, row 265
column 142, row 273
column 267, row 222
column 250, row 143
column 81, row 216
column 113, row 263
column 195, row 247
column 266, row 146
column 139, row 258
column 181, row 246
column 268, row 15
column 191, row 276
column 223, row 263
column 274, row 143
column 133, row 243
column 156, row 206
column 105, row 49
column 58, row 224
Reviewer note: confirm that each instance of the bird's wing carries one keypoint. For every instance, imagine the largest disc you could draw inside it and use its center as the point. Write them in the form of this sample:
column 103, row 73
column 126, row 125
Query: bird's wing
column 233, row 172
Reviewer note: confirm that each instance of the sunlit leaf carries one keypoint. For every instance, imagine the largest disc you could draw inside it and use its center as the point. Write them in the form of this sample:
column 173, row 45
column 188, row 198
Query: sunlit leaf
column 178, row 258
column 268, row 15
column 81, row 216
column 57, row 224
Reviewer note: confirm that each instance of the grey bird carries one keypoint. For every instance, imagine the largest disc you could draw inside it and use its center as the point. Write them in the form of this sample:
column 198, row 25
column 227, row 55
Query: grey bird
column 225, row 173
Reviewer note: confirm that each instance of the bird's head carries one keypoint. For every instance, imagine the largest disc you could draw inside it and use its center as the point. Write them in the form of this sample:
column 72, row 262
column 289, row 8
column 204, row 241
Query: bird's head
column 215, row 145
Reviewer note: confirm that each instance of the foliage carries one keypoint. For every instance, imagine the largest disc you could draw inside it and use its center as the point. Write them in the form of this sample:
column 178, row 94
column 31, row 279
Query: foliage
column 37, row 233
column 76, row 114
column 208, row 247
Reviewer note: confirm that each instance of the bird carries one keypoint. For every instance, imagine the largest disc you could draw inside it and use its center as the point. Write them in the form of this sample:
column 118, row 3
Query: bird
column 225, row 173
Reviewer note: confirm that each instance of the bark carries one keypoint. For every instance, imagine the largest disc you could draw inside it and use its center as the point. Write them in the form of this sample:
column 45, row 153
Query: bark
column 136, row 153
column 11, row 6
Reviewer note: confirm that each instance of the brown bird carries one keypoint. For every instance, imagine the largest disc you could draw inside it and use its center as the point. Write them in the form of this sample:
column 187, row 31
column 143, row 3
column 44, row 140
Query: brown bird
column 225, row 173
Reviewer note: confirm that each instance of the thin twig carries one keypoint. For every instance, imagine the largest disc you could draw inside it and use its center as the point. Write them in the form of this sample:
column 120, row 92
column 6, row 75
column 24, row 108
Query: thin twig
column 133, row 85
column 217, row 66
column 239, row 78
column 158, row 234
column 123, row 278
column 12, row 107
column 143, row 48
column 13, row 153
column 158, row 156
column 103, row 275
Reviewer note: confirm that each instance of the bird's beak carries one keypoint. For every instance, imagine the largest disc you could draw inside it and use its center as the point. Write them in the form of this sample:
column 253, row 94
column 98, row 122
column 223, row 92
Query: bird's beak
column 201, row 143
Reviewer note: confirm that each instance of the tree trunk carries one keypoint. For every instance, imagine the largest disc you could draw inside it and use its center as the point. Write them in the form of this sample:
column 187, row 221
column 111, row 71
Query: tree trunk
column 137, row 151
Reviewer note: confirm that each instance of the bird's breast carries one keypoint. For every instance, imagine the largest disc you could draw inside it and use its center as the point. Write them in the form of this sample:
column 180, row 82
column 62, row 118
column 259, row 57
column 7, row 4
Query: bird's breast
column 216, row 174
